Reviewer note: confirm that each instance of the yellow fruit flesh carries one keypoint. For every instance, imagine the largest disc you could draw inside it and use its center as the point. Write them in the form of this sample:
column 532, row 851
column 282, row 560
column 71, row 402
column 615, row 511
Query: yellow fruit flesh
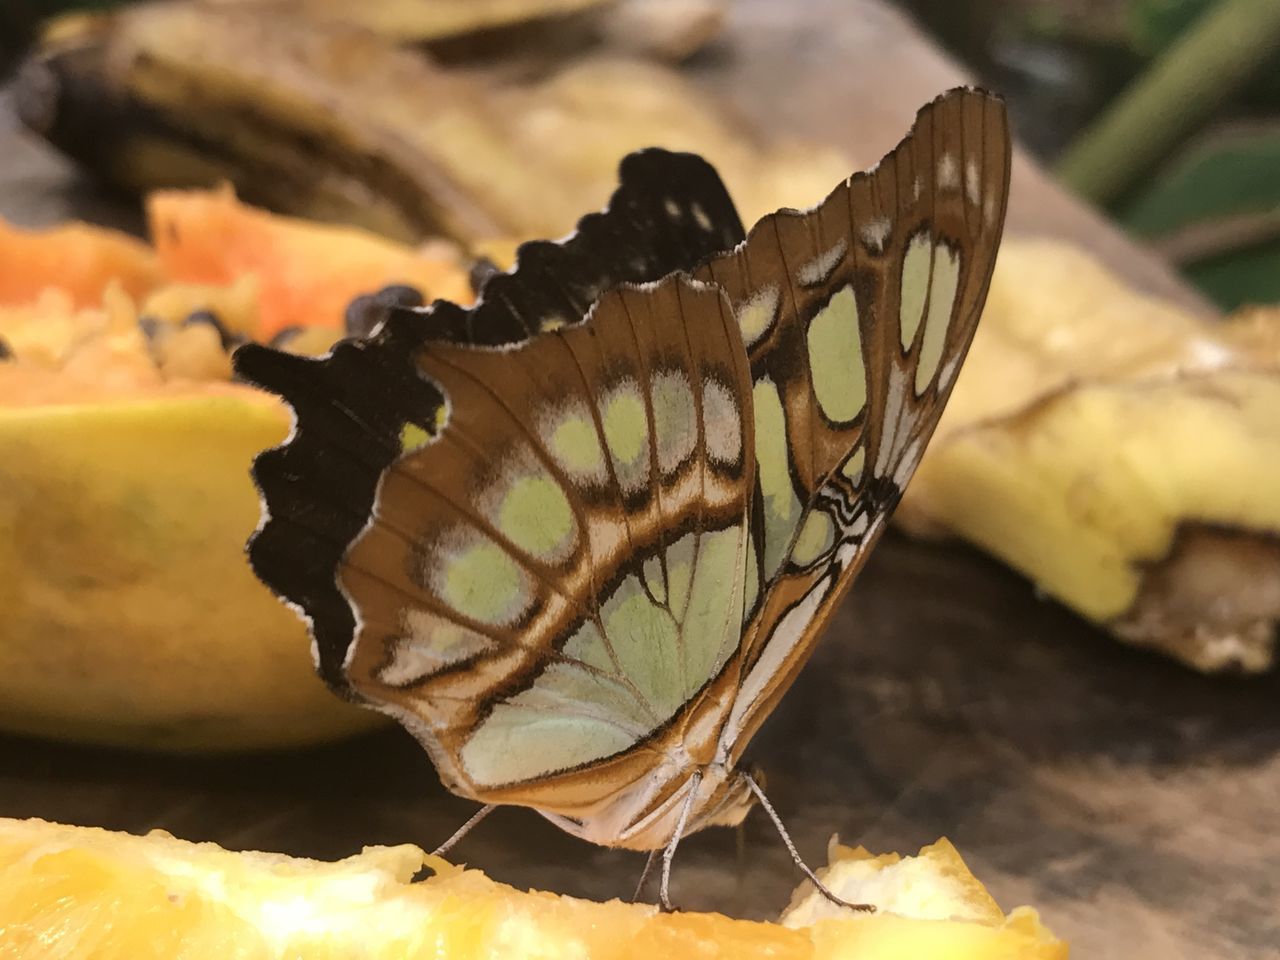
column 1037, row 494
column 131, row 616
column 1089, row 426
column 91, row 894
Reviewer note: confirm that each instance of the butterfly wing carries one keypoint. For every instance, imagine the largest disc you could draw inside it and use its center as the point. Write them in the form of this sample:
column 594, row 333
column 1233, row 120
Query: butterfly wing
column 578, row 564
column 552, row 572
column 522, row 537
column 856, row 315
column 555, row 574
column 351, row 408
column 670, row 212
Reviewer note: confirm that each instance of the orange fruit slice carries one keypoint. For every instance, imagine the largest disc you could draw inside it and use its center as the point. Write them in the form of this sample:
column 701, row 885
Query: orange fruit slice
column 132, row 617
column 96, row 895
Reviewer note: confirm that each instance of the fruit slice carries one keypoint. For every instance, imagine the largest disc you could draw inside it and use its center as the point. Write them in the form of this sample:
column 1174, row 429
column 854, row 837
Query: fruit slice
column 89, row 893
column 308, row 272
column 1120, row 453
column 75, row 257
column 131, row 615
column 339, row 124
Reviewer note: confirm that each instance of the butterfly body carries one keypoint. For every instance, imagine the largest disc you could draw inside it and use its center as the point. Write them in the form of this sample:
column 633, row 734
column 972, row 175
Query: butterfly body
column 580, row 538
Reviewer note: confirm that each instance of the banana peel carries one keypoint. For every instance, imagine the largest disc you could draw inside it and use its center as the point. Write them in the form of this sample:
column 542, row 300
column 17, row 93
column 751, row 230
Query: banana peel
column 1121, row 454
column 421, row 20
column 669, row 31
column 335, row 123
column 301, row 117
column 525, row 32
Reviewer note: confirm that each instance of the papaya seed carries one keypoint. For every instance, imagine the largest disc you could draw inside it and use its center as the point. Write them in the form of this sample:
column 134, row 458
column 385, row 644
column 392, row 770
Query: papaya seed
column 363, row 314
column 400, row 295
column 226, row 338
column 284, row 337
column 481, row 270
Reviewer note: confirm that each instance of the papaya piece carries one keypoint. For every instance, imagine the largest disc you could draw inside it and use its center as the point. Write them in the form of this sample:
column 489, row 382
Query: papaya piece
column 77, row 258
column 43, row 330
column 307, row 272
column 131, row 616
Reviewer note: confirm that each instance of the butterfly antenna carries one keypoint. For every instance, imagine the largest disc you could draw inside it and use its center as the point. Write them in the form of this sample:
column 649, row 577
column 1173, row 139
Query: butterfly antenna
column 664, row 895
column 795, row 855
column 463, row 830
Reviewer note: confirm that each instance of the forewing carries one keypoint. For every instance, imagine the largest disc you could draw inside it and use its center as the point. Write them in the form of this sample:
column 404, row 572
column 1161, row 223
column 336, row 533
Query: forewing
column 856, row 315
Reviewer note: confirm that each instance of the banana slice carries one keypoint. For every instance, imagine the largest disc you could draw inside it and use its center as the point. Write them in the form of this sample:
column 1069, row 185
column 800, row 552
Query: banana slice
column 332, row 122
column 1120, row 453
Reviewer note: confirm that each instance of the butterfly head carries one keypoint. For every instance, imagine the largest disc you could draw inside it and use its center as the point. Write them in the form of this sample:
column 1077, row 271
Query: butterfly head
column 739, row 798
column 734, row 800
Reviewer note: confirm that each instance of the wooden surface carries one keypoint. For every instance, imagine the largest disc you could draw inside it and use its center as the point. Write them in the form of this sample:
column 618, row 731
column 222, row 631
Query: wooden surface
column 1133, row 802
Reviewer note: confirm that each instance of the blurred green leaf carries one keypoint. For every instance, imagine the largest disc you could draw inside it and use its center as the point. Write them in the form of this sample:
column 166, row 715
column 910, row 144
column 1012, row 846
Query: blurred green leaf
column 1155, row 24
column 1246, row 277
column 1226, row 172
column 1216, row 211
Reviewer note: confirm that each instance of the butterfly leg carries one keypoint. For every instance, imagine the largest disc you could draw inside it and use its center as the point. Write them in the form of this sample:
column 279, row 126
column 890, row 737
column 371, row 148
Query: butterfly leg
column 664, row 896
column 644, row 874
column 795, row 855
column 463, row 830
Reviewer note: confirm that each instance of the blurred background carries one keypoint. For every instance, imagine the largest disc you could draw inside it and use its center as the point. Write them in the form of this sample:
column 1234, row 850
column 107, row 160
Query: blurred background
column 1186, row 170
column 1161, row 111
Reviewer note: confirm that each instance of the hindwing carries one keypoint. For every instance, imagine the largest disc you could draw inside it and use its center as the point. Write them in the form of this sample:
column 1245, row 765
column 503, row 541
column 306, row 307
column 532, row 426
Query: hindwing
column 555, row 573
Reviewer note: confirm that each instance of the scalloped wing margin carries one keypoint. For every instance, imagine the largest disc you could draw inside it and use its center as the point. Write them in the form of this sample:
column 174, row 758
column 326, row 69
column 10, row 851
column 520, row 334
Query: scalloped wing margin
column 670, row 212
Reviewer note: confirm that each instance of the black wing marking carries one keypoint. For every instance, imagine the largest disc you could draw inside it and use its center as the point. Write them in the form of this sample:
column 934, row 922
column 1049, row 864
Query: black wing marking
column 670, row 212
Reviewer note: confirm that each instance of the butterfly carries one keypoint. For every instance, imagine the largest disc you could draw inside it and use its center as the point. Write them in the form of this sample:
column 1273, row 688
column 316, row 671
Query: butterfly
column 580, row 537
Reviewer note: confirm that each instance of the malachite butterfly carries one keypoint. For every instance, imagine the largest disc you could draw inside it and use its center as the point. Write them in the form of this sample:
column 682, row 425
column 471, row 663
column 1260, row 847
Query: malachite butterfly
column 580, row 537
